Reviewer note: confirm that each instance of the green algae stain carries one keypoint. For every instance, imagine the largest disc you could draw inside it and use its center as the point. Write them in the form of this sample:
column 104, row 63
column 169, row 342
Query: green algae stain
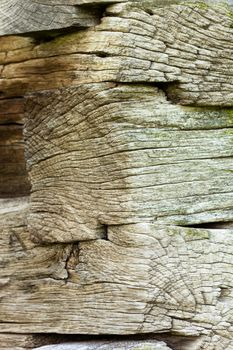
column 229, row 112
column 63, row 41
column 70, row 38
column 197, row 233
column 199, row 4
column 229, row 131
column 205, row 5
column 189, row 233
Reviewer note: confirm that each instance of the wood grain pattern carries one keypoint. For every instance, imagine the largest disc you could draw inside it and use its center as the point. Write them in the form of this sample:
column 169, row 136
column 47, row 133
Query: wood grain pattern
column 18, row 16
column 144, row 278
column 13, row 174
column 12, row 341
column 123, row 154
column 128, row 128
column 186, row 48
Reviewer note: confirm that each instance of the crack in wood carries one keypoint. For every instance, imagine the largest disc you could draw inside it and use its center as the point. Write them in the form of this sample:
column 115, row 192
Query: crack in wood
column 116, row 165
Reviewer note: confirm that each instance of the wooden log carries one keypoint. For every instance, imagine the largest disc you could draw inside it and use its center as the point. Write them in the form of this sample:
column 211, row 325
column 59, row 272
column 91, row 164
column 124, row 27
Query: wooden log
column 13, row 341
column 11, row 111
column 142, row 278
column 187, row 48
column 129, row 148
column 122, row 154
column 13, row 174
column 32, row 15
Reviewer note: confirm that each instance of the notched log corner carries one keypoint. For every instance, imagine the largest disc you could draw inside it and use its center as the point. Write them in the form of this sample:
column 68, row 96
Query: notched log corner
column 121, row 153
column 187, row 47
column 146, row 278
column 129, row 153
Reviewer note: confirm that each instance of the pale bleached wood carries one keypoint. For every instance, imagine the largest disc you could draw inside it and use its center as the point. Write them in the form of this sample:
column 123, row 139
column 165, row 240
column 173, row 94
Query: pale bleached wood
column 18, row 16
column 109, row 345
column 39, row 15
column 112, row 155
column 187, row 47
column 114, row 166
column 21, row 259
column 145, row 278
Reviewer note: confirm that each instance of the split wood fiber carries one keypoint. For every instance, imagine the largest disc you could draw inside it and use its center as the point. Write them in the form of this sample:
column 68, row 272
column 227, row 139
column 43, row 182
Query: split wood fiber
column 116, row 198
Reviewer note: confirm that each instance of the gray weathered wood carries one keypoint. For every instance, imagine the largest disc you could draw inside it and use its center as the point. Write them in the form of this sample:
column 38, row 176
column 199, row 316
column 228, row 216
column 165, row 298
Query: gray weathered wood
column 144, row 278
column 187, row 47
column 122, row 154
column 128, row 141
column 25, row 16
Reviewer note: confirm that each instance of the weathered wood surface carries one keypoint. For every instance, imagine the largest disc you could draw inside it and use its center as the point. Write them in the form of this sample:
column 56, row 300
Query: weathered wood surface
column 117, row 171
column 113, row 155
column 11, row 341
column 144, row 278
column 109, row 345
column 186, row 47
column 13, row 174
column 18, row 16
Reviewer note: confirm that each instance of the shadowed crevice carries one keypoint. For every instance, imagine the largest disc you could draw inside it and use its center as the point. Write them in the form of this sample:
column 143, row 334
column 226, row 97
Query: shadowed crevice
column 172, row 341
column 212, row 225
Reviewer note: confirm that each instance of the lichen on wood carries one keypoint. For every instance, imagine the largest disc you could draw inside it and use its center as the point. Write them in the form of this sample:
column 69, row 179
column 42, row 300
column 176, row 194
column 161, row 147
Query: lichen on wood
column 122, row 223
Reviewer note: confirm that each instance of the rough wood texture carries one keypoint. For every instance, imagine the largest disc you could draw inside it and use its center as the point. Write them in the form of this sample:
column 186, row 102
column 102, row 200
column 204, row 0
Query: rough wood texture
column 18, row 16
column 13, row 175
column 13, row 341
column 187, row 48
column 112, row 155
column 144, row 278
column 128, row 140
column 11, row 111
column 109, row 345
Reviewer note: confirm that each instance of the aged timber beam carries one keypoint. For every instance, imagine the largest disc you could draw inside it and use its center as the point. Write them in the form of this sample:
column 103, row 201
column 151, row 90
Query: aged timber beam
column 123, row 154
column 146, row 278
column 128, row 130
column 185, row 48
column 27, row 341
column 18, row 16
